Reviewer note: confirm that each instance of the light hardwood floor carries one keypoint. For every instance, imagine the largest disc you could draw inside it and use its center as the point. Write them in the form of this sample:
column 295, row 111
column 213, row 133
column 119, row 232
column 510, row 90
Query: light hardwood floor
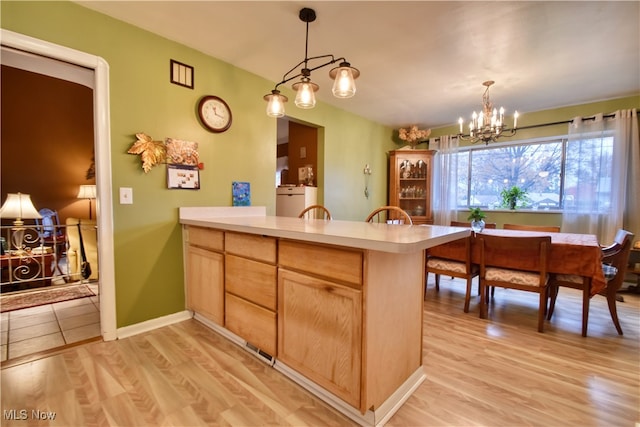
column 499, row 372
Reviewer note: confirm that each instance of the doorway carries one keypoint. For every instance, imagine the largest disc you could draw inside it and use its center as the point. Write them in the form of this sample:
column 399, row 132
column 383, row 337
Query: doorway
column 46, row 302
column 101, row 146
column 297, row 154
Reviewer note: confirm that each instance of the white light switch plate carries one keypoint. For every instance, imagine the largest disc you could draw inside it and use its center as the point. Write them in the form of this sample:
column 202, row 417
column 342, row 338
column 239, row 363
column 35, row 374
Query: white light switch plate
column 126, row 196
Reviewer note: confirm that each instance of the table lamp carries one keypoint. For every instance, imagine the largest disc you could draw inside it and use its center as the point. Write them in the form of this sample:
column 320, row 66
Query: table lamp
column 87, row 192
column 18, row 206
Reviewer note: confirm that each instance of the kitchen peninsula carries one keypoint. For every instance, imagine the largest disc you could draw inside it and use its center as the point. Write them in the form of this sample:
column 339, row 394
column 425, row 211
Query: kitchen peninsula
column 334, row 305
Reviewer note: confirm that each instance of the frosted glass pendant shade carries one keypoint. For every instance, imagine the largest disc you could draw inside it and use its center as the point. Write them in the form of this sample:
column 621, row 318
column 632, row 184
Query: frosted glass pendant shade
column 344, row 85
column 275, row 103
column 305, row 96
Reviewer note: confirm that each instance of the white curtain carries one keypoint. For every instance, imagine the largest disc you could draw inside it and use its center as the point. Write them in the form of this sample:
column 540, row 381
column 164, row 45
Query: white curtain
column 597, row 175
column 445, row 178
column 627, row 130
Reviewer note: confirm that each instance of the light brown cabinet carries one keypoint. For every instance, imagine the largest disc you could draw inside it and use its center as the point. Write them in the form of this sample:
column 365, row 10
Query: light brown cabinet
column 320, row 316
column 205, row 273
column 320, row 332
column 410, row 183
column 345, row 319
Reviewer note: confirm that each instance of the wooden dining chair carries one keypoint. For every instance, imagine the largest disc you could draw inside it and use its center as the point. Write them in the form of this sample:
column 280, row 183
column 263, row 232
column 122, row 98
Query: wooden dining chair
column 454, row 261
column 468, row 224
column 517, row 263
column 315, row 212
column 614, row 264
column 543, row 228
column 390, row 215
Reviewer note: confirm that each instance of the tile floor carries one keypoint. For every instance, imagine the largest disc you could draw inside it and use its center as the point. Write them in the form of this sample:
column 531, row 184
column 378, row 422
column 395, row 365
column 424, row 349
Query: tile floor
column 44, row 327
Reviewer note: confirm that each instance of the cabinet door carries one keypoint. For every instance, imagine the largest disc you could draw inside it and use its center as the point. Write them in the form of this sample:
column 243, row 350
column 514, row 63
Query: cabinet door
column 205, row 283
column 320, row 332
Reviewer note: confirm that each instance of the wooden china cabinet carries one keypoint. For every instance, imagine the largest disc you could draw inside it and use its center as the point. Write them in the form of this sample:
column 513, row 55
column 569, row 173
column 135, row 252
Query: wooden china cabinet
column 410, row 183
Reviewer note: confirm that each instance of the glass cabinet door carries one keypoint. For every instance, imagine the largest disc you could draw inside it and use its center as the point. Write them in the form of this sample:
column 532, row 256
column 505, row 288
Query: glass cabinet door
column 410, row 186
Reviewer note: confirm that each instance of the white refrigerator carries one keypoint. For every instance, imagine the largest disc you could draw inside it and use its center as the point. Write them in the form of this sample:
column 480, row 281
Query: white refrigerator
column 290, row 201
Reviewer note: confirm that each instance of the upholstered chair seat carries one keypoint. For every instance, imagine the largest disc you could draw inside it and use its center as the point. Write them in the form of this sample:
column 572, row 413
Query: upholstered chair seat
column 513, row 276
column 446, row 264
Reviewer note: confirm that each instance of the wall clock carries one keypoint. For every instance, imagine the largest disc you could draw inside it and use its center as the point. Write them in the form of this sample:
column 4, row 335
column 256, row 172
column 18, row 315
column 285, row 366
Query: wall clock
column 214, row 113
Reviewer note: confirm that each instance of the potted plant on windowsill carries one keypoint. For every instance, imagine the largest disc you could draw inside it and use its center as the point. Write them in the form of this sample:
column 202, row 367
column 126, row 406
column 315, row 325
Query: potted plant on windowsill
column 511, row 197
column 476, row 216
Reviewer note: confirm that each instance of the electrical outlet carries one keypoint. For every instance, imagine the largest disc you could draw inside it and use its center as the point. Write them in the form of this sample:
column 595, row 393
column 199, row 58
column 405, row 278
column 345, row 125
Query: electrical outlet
column 126, row 196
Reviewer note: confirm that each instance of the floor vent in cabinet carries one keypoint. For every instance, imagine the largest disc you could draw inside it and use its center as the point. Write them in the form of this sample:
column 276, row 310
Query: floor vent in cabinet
column 265, row 357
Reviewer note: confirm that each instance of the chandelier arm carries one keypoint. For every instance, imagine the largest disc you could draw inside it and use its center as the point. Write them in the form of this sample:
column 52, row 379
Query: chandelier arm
column 332, row 61
column 286, row 79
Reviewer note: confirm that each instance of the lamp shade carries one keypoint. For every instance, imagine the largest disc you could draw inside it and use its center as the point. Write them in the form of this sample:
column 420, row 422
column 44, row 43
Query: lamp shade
column 275, row 103
column 19, row 206
column 87, row 192
column 344, row 85
column 306, row 97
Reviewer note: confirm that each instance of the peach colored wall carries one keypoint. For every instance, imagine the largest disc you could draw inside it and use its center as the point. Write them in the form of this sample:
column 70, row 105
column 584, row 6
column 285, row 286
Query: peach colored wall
column 47, row 140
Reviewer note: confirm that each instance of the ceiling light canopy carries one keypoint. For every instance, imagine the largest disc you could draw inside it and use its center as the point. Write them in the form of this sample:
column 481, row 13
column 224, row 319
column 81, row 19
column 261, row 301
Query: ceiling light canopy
column 344, row 76
column 489, row 124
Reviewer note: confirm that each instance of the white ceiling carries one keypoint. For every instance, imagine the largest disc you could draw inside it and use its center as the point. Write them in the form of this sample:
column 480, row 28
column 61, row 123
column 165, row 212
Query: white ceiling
column 421, row 62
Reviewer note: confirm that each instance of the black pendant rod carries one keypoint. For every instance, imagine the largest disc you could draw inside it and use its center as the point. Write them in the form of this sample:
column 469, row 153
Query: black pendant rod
column 306, row 15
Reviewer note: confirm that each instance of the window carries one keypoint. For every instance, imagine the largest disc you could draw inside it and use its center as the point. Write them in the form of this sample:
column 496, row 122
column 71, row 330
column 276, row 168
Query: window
column 537, row 168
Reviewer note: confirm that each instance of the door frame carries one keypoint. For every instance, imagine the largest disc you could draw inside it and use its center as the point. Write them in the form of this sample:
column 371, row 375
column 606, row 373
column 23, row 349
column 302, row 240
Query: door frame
column 102, row 147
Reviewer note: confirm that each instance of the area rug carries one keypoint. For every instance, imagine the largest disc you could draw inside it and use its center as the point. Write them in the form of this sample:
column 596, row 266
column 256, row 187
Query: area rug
column 45, row 296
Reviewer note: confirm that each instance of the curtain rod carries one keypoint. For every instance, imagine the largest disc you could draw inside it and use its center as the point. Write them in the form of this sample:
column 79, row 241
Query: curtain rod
column 606, row 116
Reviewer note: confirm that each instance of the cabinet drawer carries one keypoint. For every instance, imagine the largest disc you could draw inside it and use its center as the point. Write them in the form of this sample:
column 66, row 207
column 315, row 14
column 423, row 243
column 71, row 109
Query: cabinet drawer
column 326, row 261
column 251, row 280
column 206, row 238
column 255, row 324
column 252, row 246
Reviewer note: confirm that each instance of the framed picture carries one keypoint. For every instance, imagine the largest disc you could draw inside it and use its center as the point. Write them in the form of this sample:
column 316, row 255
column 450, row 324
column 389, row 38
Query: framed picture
column 180, row 152
column 181, row 74
column 183, row 176
column 241, row 193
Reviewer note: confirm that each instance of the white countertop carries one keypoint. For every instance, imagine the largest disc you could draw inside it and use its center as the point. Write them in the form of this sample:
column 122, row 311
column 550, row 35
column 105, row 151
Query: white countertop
column 355, row 234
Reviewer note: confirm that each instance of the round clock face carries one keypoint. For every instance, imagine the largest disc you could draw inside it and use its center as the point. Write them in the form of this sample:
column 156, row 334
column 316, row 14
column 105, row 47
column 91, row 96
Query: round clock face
column 214, row 113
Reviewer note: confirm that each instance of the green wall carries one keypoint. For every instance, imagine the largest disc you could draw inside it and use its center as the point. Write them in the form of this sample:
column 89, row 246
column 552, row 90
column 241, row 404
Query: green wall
column 147, row 236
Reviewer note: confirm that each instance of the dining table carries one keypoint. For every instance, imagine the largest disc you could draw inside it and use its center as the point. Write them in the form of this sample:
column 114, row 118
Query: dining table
column 571, row 253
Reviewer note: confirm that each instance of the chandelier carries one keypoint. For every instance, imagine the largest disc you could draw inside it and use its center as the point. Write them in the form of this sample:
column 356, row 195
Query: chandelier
column 489, row 124
column 344, row 76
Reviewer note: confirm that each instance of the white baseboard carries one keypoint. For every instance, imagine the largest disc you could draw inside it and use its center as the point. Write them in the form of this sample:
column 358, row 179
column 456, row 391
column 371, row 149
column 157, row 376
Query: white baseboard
column 152, row 324
column 378, row 417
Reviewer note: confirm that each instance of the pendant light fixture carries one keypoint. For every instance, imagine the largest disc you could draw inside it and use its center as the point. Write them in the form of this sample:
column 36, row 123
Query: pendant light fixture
column 344, row 76
column 489, row 125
